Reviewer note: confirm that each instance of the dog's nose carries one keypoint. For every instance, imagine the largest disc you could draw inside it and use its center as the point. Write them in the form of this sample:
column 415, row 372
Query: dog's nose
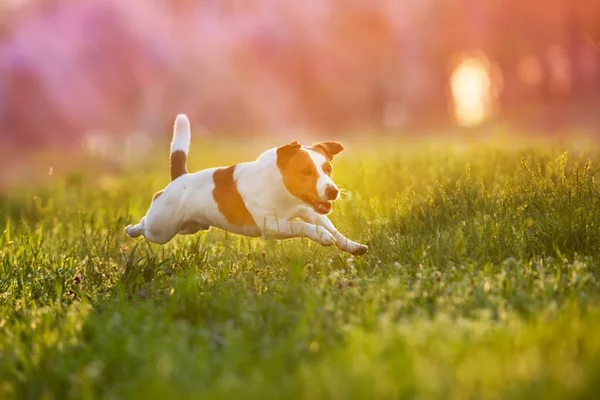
column 331, row 192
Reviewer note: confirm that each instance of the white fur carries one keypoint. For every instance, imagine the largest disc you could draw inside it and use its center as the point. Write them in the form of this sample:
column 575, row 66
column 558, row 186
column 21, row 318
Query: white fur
column 181, row 134
column 187, row 206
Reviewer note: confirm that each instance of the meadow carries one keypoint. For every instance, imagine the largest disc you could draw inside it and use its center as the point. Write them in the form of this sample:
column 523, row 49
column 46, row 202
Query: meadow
column 482, row 281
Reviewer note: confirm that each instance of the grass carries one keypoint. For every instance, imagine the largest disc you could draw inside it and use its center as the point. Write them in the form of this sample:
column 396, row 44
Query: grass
column 482, row 281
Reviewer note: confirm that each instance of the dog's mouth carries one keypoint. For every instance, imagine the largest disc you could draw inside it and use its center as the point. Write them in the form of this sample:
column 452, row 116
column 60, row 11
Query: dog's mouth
column 322, row 207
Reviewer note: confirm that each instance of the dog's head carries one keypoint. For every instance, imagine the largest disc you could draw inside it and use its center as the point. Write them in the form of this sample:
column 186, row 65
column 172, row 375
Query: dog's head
column 306, row 172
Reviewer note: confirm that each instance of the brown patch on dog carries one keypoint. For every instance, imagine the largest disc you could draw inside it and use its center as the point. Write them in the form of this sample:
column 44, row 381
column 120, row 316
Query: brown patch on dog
column 328, row 149
column 157, row 195
column 228, row 198
column 298, row 170
column 178, row 164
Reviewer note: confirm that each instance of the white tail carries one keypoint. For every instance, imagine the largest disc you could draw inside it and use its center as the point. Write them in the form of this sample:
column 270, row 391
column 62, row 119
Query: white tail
column 180, row 146
column 181, row 134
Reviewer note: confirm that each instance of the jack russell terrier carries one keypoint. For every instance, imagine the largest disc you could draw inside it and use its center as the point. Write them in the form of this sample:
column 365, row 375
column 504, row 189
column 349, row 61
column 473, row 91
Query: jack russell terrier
column 258, row 198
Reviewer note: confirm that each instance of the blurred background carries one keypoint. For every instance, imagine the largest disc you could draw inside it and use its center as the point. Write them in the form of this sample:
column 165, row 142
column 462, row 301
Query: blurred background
column 77, row 73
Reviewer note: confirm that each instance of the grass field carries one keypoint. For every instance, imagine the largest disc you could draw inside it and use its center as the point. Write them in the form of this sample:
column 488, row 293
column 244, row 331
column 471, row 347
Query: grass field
column 482, row 281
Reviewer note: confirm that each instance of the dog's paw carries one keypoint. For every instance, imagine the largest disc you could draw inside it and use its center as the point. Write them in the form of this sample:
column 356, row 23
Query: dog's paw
column 358, row 249
column 131, row 231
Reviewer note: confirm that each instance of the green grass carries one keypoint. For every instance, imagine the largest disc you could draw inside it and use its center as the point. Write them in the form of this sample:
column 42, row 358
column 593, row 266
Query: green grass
column 482, row 281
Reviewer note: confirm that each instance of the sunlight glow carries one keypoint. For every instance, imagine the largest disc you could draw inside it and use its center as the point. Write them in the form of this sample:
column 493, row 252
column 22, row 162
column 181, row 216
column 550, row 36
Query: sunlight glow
column 471, row 84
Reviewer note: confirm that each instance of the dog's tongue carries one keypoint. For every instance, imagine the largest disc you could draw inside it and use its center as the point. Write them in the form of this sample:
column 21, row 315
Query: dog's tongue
column 323, row 207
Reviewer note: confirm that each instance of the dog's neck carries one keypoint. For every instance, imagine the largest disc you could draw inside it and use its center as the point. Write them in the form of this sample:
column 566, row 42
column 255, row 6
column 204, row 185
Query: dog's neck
column 266, row 165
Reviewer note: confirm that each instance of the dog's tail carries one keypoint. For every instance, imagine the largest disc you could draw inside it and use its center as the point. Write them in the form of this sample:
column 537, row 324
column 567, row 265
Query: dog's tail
column 180, row 146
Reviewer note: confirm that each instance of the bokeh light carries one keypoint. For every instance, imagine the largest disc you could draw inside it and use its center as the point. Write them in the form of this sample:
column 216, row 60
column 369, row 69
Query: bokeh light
column 471, row 91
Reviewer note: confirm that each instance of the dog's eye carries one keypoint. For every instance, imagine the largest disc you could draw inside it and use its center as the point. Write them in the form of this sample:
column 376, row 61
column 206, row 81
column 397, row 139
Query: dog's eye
column 327, row 169
column 306, row 172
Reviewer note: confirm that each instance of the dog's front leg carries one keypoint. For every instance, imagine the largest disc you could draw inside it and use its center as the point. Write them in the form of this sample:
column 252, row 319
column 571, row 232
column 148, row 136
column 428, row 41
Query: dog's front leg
column 281, row 229
column 342, row 242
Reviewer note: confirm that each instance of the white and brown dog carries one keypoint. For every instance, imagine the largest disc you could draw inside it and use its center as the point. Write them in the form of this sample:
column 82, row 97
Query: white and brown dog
column 258, row 198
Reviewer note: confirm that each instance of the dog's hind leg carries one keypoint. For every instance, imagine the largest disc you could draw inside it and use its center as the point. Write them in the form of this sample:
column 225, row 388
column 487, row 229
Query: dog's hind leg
column 160, row 236
column 160, row 226
column 136, row 230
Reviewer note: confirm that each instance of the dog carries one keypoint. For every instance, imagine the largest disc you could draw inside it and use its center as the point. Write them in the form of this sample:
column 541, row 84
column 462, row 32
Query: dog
column 259, row 198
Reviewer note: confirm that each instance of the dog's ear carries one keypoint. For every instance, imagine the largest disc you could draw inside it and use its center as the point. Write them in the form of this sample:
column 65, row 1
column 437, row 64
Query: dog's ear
column 329, row 149
column 285, row 153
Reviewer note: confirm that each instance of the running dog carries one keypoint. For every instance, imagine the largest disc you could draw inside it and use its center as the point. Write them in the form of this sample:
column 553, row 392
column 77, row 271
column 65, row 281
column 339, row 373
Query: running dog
column 286, row 193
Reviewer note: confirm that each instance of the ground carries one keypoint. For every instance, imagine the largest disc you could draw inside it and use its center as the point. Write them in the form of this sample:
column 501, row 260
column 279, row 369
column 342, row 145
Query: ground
column 482, row 281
